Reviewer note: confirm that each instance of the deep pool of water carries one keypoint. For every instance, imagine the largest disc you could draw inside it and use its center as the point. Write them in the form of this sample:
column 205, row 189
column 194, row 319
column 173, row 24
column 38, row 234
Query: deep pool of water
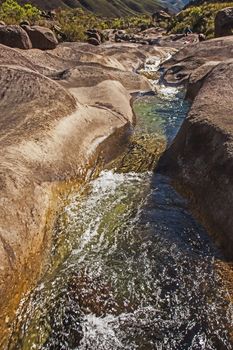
column 130, row 267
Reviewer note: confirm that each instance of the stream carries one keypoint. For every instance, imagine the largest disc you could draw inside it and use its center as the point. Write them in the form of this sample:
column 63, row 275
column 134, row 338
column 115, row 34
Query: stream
column 130, row 266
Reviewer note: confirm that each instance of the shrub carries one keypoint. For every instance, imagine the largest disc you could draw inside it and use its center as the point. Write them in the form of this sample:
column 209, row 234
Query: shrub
column 12, row 13
column 199, row 18
column 74, row 23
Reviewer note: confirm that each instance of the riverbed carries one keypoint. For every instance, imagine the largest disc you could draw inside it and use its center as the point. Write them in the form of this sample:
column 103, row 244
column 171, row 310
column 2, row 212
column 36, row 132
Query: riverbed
column 130, row 266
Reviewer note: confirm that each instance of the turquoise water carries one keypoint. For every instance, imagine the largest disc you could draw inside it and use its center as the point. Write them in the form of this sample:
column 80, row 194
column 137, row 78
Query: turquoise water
column 135, row 271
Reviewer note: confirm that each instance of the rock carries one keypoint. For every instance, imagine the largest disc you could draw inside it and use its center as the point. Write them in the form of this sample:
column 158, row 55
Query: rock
column 200, row 159
column 197, row 78
column 201, row 37
column 24, row 23
column 8, row 56
column 140, row 39
column 95, row 34
column 51, row 130
column 160, row 16
column 92, row 74
column 174, row 40
column 143, row 42
column 178, row 69
column 14, row 36
column 224, row 22
column 2, row 23
column 41, row 38
column 93, row 41
column 59, row 33
column 50, row 15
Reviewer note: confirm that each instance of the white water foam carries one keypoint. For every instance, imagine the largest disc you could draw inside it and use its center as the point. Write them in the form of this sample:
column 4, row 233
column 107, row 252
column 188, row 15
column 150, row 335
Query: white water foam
column 168, row 92
column 153, row 63
column 99, row 333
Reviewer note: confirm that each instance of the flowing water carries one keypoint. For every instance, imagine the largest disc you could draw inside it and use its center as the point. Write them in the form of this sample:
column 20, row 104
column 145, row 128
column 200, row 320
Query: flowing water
column 130, row 267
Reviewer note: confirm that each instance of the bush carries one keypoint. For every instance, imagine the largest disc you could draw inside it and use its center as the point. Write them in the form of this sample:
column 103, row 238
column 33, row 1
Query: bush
column 199, row 18
column 12, row 13
column 74, row 23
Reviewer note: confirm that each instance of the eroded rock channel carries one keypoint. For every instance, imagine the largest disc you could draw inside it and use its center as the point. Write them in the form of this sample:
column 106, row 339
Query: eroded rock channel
column 130, row 268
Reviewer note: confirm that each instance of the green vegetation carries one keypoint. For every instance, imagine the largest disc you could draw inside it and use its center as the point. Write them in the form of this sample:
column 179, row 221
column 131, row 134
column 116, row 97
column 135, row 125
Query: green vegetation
column 74, row 23
column 199, row 18
column 12, row 13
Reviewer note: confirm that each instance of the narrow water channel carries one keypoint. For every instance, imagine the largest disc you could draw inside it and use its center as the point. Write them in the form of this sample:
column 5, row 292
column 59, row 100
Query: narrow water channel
column 130, row 267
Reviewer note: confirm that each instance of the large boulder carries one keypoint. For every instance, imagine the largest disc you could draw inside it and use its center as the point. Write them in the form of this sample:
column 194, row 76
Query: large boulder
column 200, row 160
column 41, row 37
column 224, row 22
column 14, row 36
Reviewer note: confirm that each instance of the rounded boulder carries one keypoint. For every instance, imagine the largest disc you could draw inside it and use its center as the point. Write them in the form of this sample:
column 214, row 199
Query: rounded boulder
column 14, row 36
column 41, row 38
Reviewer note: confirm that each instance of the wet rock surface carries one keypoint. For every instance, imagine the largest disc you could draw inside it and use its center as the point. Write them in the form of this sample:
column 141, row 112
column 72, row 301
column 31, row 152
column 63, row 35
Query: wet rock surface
column 137, row 271
column 51, row 128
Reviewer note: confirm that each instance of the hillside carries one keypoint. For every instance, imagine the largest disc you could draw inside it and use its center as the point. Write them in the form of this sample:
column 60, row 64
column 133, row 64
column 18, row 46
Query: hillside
column 106, row 8
column 201, row 2
column 113, row 8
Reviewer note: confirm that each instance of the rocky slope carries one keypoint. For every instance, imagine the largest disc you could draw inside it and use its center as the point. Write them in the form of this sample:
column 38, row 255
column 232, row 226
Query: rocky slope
column 57, row 109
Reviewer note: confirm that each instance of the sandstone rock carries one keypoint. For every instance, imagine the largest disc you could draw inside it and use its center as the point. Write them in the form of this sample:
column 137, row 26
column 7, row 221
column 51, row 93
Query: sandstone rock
column 197, row 78
column 29, row 108
column 224, row 22
column 14, row 57
column 93, row 74
column 50, row 131
column 14, row 36
column 178, row 69
column 175, row 40
column 125, row 57
column 41, row 37
column 200, row 159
